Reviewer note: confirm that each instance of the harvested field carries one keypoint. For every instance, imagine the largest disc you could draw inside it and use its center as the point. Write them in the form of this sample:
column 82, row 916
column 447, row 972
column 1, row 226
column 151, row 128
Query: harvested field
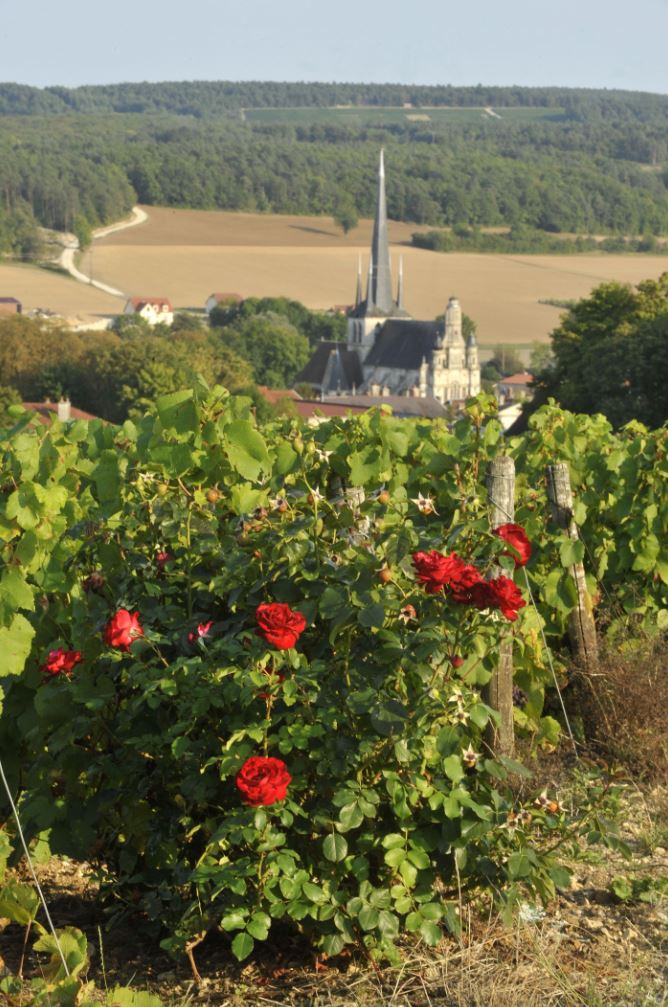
column 187, row 254
column 42, row 288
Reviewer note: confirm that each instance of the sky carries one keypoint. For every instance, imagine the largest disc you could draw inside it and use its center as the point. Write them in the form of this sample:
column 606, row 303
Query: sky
column 577, row 43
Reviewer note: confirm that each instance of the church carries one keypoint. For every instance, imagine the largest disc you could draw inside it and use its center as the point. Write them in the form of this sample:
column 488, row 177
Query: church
column 387, row 351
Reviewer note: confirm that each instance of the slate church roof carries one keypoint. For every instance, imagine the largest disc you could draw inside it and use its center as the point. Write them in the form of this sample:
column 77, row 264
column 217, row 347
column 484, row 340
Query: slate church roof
column 333, row 365
column 403, row 343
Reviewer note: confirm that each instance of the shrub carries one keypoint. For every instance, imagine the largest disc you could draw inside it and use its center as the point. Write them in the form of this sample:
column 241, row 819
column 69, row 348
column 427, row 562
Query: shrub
column 277, row 713
column 272, row 718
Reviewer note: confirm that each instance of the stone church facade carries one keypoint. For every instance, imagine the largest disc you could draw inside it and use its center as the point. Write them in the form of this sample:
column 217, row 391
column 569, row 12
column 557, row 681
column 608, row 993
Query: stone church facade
column 387, row 351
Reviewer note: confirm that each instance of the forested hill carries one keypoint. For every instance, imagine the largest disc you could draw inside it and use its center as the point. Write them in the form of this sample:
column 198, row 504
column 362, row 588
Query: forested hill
column 210, row 98
column 549, row 158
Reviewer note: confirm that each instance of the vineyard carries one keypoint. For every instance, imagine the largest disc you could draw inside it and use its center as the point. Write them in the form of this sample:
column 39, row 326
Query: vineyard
column 246, row 670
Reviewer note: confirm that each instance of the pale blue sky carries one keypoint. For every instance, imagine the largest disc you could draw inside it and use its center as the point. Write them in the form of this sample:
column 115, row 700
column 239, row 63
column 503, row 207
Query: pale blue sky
column 587, row 43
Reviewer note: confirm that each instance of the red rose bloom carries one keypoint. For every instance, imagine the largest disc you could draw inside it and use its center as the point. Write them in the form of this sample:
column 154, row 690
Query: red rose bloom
column 515, row 536
column 499, row 593
column 162, row 559
column 123, row 629
column 435, row 570
column 279, row 625
column 203, row 629
column 263, row 780
column 61, row 662
column 463, row 582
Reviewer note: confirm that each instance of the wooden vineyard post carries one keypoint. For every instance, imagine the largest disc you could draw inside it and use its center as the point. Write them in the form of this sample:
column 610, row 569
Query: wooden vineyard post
column 499, row 690
column 581, row 625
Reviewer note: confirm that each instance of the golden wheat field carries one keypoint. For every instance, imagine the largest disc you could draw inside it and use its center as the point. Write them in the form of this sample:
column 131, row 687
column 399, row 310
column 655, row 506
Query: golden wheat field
column 186, row 255
column 41, row 288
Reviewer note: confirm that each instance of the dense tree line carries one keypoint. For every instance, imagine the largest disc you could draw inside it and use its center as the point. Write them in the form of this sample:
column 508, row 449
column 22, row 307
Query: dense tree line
column 113, row 374
column 71, row 159
column 610, row 355
column 524, row 240
column 202, row 98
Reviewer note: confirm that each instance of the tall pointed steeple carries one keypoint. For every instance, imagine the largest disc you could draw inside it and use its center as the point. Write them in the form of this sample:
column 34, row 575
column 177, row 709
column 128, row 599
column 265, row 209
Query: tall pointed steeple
column 370, row 303
column 358, row 291
column 381, row 292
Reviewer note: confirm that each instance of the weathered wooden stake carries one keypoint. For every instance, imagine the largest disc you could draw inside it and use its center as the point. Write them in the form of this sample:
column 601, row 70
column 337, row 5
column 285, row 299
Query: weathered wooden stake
column 499, row 691
column 581, row 625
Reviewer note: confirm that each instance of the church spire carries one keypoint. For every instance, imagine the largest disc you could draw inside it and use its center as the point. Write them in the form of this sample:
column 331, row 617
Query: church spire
column 381, row 293
column 358, row 292
column 370, row 303
column 400, row 284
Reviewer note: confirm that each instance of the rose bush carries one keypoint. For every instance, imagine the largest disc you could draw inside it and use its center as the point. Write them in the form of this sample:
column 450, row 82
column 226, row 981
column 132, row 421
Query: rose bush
column 395, row 806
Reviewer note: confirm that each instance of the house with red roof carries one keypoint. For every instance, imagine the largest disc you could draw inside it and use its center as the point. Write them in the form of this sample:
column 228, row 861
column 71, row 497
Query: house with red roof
column 514, row 388
column 63, row 411
column 153, row 309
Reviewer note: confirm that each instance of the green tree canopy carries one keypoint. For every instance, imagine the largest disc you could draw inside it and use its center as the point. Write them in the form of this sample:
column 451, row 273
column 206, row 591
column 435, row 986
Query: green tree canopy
column 611, row 354
column 276, row 350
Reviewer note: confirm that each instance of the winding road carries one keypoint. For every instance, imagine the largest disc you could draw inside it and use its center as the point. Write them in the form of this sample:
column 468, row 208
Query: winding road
column 66, row 259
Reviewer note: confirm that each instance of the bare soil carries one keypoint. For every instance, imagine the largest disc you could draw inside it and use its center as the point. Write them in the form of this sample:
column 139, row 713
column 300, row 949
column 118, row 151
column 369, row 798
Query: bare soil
column 586, row 949
column 35, row 287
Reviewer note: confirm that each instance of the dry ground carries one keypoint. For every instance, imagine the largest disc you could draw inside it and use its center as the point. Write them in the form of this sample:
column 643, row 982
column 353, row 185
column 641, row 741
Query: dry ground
column 42, row 288
column 586, row 950
column 188, row 254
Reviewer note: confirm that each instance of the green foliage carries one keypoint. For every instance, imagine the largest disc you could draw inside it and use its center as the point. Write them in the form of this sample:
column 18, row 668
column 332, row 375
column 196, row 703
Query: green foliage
column 83, row 232
column 59, row 981
column 112, row 374
column 642, row 889
column 611, row 354
column 271, row 344
column 314, row 325
column 9, row 396
column 523, row 240
column 133, row 758
column 551, row 160
column 345, row 214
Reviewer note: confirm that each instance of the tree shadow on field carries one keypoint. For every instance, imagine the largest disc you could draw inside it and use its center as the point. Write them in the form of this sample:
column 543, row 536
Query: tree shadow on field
column 313, row 230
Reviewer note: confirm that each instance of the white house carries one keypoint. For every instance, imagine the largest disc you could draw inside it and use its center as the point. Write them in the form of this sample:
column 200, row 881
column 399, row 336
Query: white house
column 153, row 309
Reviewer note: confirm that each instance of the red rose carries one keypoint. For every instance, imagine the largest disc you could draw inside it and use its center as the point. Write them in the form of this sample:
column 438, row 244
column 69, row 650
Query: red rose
column 435, row 570
column 202, row 630
column 499, row 593
column 463, row 582
column 279, row 625
column 263, row 780
column 516, row 537
column 61, row 662
column 456, row 661
column 162, row 559
column 123, row 629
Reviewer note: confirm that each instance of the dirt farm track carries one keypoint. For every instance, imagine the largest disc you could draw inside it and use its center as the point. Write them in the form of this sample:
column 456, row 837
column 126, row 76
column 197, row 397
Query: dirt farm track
column 188, row 254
